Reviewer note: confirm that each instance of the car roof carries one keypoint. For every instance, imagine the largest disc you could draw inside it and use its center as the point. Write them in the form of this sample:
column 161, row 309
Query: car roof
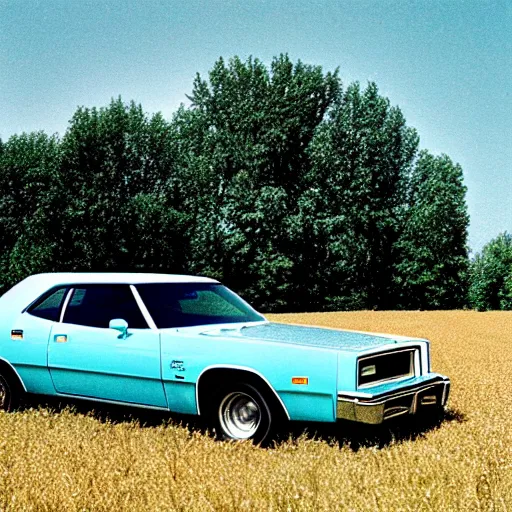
column 26, row 291
column 56, row 278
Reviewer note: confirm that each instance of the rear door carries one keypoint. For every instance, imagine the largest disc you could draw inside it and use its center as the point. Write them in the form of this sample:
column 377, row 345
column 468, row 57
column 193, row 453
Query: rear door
column 87, row 358
column 28, row 346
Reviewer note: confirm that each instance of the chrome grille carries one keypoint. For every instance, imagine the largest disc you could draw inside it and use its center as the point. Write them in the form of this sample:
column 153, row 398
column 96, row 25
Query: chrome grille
column 377, row 368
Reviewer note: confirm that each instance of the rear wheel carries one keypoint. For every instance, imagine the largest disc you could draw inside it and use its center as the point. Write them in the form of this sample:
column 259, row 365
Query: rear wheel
column 8, row 394
column 240, row 412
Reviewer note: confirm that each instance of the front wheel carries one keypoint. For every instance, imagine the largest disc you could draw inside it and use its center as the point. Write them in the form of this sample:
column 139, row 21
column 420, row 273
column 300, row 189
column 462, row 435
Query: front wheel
column 242, row 412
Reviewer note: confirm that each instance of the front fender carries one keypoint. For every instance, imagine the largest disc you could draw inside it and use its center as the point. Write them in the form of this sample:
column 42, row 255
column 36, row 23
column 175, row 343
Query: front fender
column 186, row 356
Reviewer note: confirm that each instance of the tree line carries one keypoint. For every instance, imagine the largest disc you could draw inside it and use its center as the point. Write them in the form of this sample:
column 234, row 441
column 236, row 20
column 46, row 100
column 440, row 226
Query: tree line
column 299, row 193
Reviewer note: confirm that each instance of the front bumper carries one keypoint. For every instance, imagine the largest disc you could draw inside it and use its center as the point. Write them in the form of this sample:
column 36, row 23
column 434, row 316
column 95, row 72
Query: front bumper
column 375, row 408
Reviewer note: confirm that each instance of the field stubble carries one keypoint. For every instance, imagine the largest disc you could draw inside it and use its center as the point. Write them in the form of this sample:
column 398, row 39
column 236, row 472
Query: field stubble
column 54, row 458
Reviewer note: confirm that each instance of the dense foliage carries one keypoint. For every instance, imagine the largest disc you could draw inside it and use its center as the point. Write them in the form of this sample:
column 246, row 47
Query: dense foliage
column 491, row 275
column 296, row 192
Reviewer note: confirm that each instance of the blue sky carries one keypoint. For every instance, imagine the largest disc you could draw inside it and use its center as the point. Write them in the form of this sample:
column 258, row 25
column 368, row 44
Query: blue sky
column 446, row 63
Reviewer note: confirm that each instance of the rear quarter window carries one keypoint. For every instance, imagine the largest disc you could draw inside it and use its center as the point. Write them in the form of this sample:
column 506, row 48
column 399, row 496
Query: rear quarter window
column 49, row 305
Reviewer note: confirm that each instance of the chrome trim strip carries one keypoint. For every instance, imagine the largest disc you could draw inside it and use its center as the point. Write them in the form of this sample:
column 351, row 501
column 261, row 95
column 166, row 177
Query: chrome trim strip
column 393, row 412
column 417, row 363
column 114, row 402
column 390, row 347
column 425, row 357
column 16, row 372
column 414, row 406
column 237, row 367
column 446, row 390
column 107, row 374
column 143, row 308
column 399, row 378
column 65, row 305
column 430, row 399
column 384, row 352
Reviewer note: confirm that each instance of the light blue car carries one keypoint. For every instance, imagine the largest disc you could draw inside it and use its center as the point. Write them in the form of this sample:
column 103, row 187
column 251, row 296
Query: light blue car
column 189, row 345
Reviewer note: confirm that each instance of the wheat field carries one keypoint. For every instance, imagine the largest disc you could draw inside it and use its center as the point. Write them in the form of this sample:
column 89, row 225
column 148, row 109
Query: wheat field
column 70, row 457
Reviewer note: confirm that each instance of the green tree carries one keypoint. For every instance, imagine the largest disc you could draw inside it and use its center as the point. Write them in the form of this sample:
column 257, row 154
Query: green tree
column 431, row 270
column 362, row 159
column 491, row 275
column 29, row 205
column 121, row 194
column 247, row 134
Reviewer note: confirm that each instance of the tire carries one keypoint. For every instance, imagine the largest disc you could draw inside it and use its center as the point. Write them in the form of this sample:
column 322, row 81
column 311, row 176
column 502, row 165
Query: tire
column 241, row 412
column 9, row 396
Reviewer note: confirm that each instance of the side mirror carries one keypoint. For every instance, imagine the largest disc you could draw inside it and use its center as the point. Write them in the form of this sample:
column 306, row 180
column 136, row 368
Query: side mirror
column 119, row 325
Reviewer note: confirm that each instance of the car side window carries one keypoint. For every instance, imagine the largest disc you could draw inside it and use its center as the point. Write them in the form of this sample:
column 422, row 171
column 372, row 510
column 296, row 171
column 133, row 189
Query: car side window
column 96, row 305
column 48, row 306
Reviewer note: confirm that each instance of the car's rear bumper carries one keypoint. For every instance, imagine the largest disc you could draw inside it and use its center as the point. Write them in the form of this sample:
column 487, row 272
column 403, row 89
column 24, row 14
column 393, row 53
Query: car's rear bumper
column 409, row 399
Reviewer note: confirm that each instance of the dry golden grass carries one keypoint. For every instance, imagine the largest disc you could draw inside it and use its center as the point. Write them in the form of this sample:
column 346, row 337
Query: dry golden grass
column 71, row 460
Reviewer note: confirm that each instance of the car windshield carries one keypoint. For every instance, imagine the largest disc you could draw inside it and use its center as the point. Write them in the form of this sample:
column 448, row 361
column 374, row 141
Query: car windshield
column 190, row 304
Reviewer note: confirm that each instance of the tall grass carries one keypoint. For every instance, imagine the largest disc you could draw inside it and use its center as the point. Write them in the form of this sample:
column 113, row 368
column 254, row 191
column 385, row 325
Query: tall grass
column 77, row 459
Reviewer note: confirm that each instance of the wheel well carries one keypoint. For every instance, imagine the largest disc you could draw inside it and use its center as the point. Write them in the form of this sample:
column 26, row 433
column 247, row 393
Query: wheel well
column 10, row 374
column 215, row 378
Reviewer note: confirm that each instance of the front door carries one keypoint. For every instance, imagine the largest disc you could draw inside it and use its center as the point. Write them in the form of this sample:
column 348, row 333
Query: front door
column 87, row 358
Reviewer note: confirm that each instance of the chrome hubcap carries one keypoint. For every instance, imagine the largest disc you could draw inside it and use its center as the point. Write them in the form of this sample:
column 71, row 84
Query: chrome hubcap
column 239, row 415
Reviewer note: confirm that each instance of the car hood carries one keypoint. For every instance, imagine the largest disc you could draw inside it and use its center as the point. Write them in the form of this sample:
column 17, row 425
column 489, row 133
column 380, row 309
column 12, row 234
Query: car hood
column 306, row 336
